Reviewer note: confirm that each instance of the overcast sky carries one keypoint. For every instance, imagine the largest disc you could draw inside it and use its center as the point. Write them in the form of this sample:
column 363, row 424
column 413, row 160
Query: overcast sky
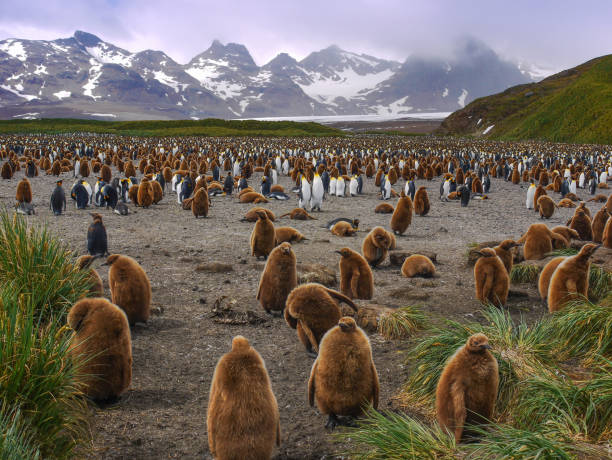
column 555, row 34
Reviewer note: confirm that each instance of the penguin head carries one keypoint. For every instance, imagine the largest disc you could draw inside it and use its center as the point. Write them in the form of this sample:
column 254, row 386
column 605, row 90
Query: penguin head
column 59, row 183
column 355, row 223
column 508, row 244
column 239, row 343
column 96, row 217
column 285, row 248
column 477, row 343
column 588, row 249
column 344, row 252
column 487, row 252
column 347, row 324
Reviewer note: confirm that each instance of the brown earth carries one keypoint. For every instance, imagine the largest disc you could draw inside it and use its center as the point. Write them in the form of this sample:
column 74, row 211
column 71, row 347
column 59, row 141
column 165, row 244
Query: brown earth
column 163, row 413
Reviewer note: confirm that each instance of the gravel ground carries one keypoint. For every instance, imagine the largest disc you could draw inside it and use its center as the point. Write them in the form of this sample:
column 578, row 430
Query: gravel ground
column 163, row 414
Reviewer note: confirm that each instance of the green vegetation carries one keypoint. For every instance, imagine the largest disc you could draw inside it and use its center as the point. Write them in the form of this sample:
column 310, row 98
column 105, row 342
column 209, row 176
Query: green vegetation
column 524, row 273
column 401, row 323
column 42, row 410
column 572, row 106
column 170, row 128
column 566, row 252
column 600, row 282
column 35, row 263
column 554, row 399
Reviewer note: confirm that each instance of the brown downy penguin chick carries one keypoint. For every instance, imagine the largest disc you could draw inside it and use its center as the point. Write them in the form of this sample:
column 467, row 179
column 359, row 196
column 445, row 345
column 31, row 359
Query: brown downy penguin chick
column 545, row 276
column 145, row 194
column 599, row 224
column 251, row 215
column 376, row 245
column 421, row 201
column 157, row 191
column 570, row 281
column 130, row 288
column 582, row 224
column 343, row 228
column 298, row 214
column 24, row 191
column 312, row 310
column 199, row 203
column 606, row 238
column 84, row 263
column 133, row 194
column 467, row 389
column 546, row 207
column 384, row 208
column 402, row 216
column 263, row 236
column 253, row 197
column 278, row 278
column 343, row 379
column 599, row 198
column 505, row 253
column 356, row 280
column 566, row 232
column 288, row 234
column 538, row 242
column 492, row 280
column 106, row 174
column 102, row 339
column 242, row 419
column 565, row 203
column 418, row 265
column 538, row 193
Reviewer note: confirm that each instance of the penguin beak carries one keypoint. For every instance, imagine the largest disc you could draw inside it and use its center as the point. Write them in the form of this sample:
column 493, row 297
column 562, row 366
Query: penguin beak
column 338, row 252
column 486, row 346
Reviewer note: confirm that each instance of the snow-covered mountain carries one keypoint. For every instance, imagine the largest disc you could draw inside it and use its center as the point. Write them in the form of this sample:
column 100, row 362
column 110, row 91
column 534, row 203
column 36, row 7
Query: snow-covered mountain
column 85, row 76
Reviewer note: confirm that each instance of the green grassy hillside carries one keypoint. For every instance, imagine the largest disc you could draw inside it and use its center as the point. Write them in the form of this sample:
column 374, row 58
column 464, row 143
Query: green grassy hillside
column 572, row 106
column 208, row 127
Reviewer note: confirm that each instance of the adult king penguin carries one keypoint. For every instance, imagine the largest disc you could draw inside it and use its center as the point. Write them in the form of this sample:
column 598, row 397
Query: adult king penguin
column 317, row 193
column 305, row 193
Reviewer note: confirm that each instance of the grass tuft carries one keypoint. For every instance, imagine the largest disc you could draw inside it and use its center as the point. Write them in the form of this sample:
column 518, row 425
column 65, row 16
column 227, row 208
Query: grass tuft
column 390, row 436
column 36, row 263
column 524, row 273
column 583, row 329
column 520, row 351
column 401, row 323
column 600, row 283
column 16, row 442
column 566, row 252
column 501, row 441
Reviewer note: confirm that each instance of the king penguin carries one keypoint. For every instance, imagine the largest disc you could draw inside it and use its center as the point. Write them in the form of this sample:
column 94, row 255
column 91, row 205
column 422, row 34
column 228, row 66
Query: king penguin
column 353, row 186
column 317, row 193
column 58, row 199
column 305, row 194
column 530, row 194
column 340, row 186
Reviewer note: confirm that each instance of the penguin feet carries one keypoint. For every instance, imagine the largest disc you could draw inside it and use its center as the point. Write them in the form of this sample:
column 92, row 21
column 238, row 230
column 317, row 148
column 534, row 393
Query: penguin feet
column 332, row 422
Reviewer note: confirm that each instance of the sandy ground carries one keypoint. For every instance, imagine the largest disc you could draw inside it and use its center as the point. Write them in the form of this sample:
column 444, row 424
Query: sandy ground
column 163, row 414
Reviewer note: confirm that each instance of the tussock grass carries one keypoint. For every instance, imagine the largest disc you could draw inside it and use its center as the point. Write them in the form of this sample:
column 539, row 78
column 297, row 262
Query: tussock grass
column 500, row 441
column 600, row 283
column 520, row 350
column 583, row 408
column 390, row 436
column 524, row 273
column 37, row 376
column 583, row 329
column 401, row 323
column 16, row 441
column 36, row 263
column 566, row 252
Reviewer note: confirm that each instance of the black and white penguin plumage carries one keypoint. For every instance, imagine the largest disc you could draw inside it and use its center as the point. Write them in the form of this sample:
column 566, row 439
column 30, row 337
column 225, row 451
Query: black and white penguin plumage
column 228, row 184
column 121, row 209
column 486, row 183
column 110, row 196
column 58, row 199
column 464, row 192
column 265, row 186
column 80, row 196
column 97, row 241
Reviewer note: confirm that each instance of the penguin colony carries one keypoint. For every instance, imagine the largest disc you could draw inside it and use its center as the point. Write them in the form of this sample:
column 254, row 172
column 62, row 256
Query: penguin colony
column 343, row 376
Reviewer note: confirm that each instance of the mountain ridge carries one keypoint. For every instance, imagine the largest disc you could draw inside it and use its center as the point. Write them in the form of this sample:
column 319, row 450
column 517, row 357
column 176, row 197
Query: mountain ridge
column 84, row 74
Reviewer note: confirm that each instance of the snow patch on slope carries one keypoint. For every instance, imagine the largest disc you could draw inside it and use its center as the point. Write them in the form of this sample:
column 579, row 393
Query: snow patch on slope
column 94, row 74
column 62, row 94
column 347, row 84
column 488, row 129
column 17, row 92
column 104, row 55
column 167, row 80
column 14, row 48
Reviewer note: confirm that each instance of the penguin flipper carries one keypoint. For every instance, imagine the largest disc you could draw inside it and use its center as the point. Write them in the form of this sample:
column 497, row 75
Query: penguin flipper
column 310, row 335
column 341, row 297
